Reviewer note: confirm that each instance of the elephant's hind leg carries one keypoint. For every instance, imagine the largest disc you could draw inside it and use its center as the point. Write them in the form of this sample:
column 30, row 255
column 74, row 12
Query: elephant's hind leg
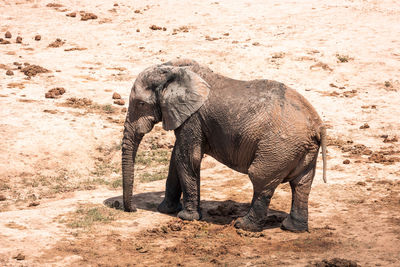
column 265, row 181
column 297, row 220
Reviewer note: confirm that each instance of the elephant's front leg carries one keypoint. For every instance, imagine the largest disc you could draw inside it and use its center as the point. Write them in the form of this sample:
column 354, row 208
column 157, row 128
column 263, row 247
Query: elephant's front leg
column 173, row 191
column 189, row 153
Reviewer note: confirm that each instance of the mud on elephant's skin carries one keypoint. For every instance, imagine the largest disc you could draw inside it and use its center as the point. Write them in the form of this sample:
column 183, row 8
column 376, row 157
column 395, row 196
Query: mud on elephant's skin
column 261, row 128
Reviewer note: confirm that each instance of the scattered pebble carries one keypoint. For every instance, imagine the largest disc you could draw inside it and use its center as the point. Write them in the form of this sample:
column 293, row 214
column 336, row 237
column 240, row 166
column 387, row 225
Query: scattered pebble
column 87, row 16
column 9, row 73
column 157, row 28
column 38, row 37
column 8, row 34
column 72, row 14
column 2, row 198
column 361, row 183
column 256, row 43
column 19, row 40
column 2, row 41
column 116, row 96
column 124, row 110
column 119, row 102
column 346, row 161
column 116, row 4
column 55, row 92
column 137, row 11
column 34, row 204
column 75, row 49
column 278, row 55
column 389, row 139
column 364, row 126
column 137, row 30
column 208, row 38
column 57, row 43
column 54, row 5
column 322, row 65
column 19, row 257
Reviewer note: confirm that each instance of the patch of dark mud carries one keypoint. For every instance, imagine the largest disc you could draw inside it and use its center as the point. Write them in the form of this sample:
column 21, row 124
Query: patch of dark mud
column 33, row 70
column 186, row 243
column 335, row 262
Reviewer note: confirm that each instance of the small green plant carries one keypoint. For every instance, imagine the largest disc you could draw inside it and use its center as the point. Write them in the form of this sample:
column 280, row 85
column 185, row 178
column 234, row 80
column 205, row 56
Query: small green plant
column 85, row 217
column 343, row 58
column 150, row 177
column 109, row 109
column 116, row 183
column 148, row 158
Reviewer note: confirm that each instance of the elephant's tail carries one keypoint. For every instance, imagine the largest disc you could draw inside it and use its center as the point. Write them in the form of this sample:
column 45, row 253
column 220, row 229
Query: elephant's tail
column 323, row 147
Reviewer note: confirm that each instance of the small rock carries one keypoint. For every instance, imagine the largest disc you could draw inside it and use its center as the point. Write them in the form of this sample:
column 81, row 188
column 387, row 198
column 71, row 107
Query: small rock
column 364, row 126
column 116, row 96
column 119, row 102
column 72, row 14
column 88, row 16
column 137, row 30
column 389, row 139
column 19, row 40
column 361, row 183
column 55, row 92
column 9, row 73
column 2, row 198
column 2, row 41
column 38, row 37
column 57, row 43
column 34, row 204
column 256, row 44
column 8, row 34
column 20, row 257
column 157, row 28
column 116, row 4
column 124, row 110
column 346, row 161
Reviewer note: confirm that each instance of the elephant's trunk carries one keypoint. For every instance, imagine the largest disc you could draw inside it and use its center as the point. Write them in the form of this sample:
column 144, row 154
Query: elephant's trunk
column 130, row 146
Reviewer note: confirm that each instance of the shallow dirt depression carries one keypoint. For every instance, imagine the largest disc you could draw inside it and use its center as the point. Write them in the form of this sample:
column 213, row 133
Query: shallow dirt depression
column 60, row 169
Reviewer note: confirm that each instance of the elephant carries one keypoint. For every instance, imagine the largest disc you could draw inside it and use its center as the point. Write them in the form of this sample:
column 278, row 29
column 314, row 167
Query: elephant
column 261, row 128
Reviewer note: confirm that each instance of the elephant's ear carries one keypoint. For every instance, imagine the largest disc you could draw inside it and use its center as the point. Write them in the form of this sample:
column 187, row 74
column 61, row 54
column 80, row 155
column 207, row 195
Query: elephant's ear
column 183, row 94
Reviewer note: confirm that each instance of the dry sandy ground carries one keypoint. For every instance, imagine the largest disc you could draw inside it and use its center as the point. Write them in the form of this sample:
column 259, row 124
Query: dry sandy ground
column 59, row 159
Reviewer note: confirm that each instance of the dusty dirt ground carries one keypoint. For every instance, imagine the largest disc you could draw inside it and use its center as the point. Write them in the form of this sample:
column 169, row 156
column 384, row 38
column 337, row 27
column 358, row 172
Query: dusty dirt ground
column 60, row 155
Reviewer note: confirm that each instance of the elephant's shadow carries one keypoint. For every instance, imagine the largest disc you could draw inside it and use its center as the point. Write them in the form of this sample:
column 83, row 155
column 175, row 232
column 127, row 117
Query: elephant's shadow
column 215, row 212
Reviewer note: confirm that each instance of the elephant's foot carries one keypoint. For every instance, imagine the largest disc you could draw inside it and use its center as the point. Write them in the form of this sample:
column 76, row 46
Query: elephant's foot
column 293, row 225
column 189, row 215
column 169, row 208
column 246, row 224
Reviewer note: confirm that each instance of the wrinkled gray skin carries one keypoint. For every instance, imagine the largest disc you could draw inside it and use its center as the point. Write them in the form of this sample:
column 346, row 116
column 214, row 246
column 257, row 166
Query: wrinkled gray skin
column 260, row 127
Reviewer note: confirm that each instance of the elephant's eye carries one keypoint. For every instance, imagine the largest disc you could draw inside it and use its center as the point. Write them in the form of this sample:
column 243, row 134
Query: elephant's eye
column 141, row 103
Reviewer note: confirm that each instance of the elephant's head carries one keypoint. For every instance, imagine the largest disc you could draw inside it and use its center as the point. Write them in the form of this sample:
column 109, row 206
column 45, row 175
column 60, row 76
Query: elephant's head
column 168, row 93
